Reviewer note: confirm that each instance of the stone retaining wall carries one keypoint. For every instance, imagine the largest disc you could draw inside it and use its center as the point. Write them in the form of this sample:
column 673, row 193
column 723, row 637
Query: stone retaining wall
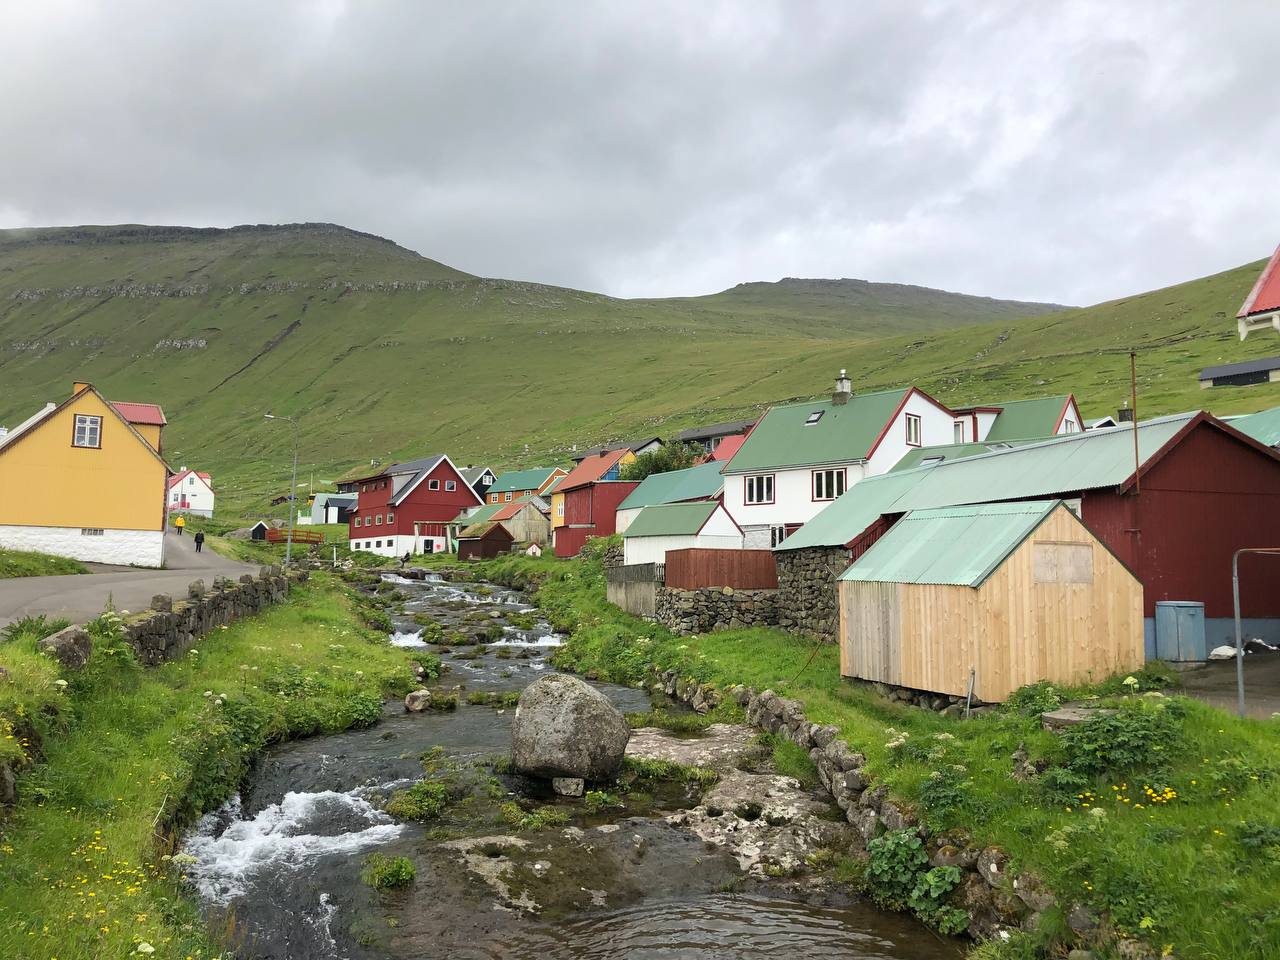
column 711, row 608
column 807, row 598
column 170, row 627
column 995, row 899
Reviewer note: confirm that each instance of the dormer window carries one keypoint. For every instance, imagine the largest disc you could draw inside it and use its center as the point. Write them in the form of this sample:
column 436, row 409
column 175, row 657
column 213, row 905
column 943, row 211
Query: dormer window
column 913, row 430
column 814, row 418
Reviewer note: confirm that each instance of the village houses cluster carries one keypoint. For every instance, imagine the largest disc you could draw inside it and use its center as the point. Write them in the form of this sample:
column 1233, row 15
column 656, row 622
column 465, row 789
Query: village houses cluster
column 953, row 551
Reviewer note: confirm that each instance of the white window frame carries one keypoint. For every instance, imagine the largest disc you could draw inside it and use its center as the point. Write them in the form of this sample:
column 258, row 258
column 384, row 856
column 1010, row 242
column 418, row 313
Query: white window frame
column 450, row 486
column 357, row 523
column 777, row 533
column 377, row 519
column 957, row 432
column 507, row 496
column 433, row 484
column 822, row 483
column 914, row 428
column 1069, row 425
column 87, row 428
column 758, row 489
column 391, row 517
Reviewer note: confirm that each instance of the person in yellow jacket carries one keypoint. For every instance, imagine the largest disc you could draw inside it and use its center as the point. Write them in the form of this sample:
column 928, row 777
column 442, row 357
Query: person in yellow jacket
column 179, row 524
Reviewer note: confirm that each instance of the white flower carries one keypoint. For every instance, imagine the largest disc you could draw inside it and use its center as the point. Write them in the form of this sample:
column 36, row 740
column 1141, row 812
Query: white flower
column 1131, row 682
column 145, row 948
column 60, row 684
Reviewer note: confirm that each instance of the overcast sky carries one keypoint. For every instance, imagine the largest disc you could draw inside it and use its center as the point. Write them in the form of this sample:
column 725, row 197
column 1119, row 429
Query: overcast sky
column 1063, row 151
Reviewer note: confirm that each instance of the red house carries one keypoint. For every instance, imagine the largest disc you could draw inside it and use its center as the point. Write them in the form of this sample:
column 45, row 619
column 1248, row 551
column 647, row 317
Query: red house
column 591, row 496
column 406, row 507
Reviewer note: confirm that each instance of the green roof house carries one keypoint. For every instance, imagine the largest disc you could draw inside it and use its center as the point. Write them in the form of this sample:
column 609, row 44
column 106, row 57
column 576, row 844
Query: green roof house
column 1018, row 420
column 702, row 482
column 1263, row 426
column 996, row 595
column 678, row 526
column 800, row 457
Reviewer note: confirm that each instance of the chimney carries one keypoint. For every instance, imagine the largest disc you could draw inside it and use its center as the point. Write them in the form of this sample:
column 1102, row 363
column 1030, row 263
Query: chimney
column 78, row 386
column 843, row 390
column 1124, row 414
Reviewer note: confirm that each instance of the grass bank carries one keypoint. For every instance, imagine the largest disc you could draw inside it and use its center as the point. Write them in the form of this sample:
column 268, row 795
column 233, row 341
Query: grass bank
column 1167, row 818
column 118, row 757
column 24, row 563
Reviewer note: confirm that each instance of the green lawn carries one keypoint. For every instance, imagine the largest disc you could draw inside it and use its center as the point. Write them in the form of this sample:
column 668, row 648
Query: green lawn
column 124, row 756
column 1181, row 846
column 24, row 563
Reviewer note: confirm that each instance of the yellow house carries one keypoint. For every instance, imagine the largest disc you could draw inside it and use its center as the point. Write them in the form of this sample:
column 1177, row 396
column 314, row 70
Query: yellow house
column 86, row 479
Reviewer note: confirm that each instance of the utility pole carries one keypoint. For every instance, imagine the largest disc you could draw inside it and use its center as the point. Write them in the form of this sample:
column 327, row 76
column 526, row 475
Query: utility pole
column 292, row 499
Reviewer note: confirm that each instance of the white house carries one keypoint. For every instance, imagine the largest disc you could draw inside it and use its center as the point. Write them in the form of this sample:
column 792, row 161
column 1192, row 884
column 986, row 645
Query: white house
column 677, row 526
column 801, row 456
column 191, row 492
column 702, row 482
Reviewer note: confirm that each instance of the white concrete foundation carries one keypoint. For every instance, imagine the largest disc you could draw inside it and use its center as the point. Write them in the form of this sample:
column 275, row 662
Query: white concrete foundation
column 398, row 546
column 138, row 548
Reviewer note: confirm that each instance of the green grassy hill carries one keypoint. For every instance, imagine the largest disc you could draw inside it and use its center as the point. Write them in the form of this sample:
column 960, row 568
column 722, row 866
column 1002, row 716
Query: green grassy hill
column 382, row 353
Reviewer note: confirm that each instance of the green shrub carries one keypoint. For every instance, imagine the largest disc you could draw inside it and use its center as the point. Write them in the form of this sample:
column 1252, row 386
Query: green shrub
column 944, row 792
column 423, row 801
column 38, row 627
column 527, row 820
column 386, row 873
column 1141, row 735
column 597, row 801
column 1033, row 699
column 895, row 861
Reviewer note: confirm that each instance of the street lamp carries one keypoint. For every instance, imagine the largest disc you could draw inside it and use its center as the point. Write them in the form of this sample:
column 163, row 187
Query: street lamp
column 293, row 486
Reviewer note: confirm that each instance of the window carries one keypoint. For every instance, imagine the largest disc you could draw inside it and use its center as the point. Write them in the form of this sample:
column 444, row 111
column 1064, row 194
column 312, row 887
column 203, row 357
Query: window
column 777, row 535
column 450, row 485
column 930, row 461
column 612, row 473
column 377, row 518
column 759, row 489
column 1062, row 562
column 191, row 481
column 828, row 484
column 175, row 496
column 814, row 418
column 560, row 507
column 957, row 435
column 493, row 498
column 88, row 432
column 357, row 521
column 377, row 543
column 91, row 531
column 1069, row 426
column 507, row 496
column 433, row 484
column 913, row 430
column 364, row 488
column 391, row 518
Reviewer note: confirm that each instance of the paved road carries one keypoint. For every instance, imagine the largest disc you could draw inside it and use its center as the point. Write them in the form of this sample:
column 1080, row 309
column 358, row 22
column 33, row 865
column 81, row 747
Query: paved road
column 1216, row 684
column 82, row 597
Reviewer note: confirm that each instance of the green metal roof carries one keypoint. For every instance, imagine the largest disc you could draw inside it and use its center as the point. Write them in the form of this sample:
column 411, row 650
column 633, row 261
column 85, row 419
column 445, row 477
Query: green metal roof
column 957, row 546
column 671, row 519
column 950, row 451
column 843, row 432
column 514, row 480
column 695, row 483
column 1060, row 465
column 1023, row 419
column 1263, row 427
column 484, row 513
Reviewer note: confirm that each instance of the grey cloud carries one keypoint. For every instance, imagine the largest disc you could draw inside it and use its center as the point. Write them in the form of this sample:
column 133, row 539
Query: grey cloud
column 1071, row 152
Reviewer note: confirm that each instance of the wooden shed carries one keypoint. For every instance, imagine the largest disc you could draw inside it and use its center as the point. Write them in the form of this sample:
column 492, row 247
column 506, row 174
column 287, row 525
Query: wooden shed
column 480, row 541
column 1015, row 592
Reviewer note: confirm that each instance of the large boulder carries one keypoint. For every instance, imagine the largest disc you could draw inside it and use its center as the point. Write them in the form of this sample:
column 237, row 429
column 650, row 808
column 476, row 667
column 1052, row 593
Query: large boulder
column 70, row 647
column 565, row 728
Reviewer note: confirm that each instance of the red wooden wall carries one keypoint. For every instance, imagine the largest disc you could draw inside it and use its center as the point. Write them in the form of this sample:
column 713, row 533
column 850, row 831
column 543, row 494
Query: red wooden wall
column 696, row 567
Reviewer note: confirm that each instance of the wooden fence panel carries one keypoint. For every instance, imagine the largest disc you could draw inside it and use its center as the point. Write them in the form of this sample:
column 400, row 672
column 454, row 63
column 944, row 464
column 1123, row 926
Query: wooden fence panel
column 696, row 567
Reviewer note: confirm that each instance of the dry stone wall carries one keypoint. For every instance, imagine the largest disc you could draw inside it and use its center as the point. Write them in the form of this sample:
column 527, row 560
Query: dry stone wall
column 712, row 608
column 807, row 598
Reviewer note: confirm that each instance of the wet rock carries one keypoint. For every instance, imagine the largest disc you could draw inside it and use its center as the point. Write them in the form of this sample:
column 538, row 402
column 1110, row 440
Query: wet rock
column 568, row 786
column 722, row 746
column 70, row 647
column 565, row 728
column 417, row 701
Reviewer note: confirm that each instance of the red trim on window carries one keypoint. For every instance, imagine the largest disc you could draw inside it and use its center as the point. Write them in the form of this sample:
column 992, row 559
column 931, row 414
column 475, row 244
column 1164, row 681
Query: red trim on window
column 919, row 429
column 773, row 490
column 813, row 484
column 894, row 416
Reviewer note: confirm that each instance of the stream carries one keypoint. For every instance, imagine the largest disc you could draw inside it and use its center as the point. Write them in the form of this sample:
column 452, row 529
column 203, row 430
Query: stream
column 667, row 876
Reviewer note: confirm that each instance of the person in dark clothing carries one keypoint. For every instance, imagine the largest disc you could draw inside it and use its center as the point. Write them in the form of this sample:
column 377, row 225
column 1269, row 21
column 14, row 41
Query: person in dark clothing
column 199, row 540
column 404, row 559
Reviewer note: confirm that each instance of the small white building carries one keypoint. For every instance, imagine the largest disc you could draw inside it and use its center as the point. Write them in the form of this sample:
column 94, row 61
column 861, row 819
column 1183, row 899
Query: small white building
column 677, row 526
column 191, row 492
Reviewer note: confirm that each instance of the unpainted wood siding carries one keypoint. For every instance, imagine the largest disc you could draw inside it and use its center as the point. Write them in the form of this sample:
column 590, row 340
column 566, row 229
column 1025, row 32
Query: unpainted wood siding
column 1012, row 630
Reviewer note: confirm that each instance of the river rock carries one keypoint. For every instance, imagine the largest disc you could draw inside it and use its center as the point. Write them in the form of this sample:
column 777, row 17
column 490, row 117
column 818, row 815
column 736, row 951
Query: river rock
column 568, row 786
column 417, row 701
column 70, row 647
column 565, row 728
